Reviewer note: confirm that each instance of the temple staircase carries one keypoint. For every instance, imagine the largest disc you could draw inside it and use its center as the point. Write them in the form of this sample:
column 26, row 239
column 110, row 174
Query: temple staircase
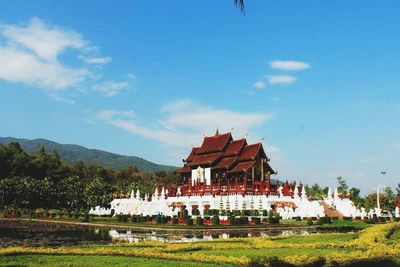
column 329, row 211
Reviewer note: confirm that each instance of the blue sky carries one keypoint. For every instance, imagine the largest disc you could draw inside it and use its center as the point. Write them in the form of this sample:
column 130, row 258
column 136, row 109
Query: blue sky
column 318, row 80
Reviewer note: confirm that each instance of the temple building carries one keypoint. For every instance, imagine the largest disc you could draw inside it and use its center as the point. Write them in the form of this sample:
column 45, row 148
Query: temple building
column 230, row 175
column 222, row 166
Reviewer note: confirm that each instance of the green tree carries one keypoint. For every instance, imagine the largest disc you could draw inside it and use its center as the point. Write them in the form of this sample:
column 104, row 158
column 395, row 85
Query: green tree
column 355, row 197
column 71, row 191
column 97, row 193
column 388, row 199
column 342, row 188
column 316, row 191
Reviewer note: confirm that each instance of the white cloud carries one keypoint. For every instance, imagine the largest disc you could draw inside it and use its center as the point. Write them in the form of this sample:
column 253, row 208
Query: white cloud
column 62, row 99
column 183, row 123
column 108, row 114
column 110, row 88
column 281, row 79
column 98, row 60
column 47, row 42
column 22, row 67
column 289, row 65
column 31, row 54
column 259, row 85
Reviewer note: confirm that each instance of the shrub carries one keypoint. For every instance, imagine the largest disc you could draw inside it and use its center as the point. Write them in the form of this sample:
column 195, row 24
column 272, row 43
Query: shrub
column 135, row 219
column 264, row 213
column 31, row 214
column 124, row 218
column 323, row 220
column 39, row 212
column 18, row 213
column 189, row 221
column 53, row 213
column 258, row 220
column 298, row 219
column 382, row 219
column 310, row 222
column 199, row 221
column 144, row 219
column 174, row 220
column 5, row 214
column 273, row 219
column 184, row 213
column 195, row 212
column 215, row 220
column 213, row 212
column 86, row 217
column 77, row 214
column 231, row 220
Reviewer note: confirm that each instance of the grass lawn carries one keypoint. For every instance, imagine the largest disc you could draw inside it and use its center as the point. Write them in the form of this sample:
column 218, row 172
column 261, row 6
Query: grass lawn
column 71, row 260
column 396, row 235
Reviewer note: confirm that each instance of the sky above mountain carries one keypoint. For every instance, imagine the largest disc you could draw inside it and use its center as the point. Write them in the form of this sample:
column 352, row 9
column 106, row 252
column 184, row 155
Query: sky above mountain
column 316, row 81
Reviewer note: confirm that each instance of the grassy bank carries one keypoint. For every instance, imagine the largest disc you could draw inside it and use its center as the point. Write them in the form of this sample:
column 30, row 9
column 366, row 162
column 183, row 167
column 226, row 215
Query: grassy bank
column 378, row 245
column 77, row 260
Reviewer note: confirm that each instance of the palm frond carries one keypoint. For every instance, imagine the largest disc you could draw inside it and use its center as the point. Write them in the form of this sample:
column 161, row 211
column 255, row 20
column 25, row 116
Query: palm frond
column 239, row 4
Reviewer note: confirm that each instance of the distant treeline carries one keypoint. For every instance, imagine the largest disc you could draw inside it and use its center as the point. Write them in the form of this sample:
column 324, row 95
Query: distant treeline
column 44, row 180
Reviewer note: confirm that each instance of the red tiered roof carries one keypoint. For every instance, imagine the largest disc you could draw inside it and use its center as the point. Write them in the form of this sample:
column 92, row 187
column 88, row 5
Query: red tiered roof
column 207, row 159
column 215, row 143
column 250, row 152
column 222, row 152
column 226, row 163
column 184, row 169
column 242, row 166
column 235, row 147
column 192, row 154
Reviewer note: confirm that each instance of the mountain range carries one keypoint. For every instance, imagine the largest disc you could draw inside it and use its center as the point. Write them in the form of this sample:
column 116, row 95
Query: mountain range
column 73, row 153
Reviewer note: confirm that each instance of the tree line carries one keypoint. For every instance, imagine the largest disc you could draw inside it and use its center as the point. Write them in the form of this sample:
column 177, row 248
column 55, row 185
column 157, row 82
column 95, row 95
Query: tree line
column 43, row 180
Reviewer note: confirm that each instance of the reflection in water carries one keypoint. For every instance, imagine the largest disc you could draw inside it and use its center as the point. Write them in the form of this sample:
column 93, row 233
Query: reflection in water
column 134, row 237
column 25, row 233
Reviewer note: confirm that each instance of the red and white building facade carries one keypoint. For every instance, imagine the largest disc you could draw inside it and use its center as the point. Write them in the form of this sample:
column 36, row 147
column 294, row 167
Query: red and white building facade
column 223, row 166
column 227, row 174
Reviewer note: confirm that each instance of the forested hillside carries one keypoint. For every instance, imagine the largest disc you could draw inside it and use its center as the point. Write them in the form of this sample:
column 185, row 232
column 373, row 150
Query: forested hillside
column 44, row 180
column 75, row 153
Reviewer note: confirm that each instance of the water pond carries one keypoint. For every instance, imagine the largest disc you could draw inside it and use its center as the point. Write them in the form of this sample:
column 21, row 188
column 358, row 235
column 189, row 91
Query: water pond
column 29, row 233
